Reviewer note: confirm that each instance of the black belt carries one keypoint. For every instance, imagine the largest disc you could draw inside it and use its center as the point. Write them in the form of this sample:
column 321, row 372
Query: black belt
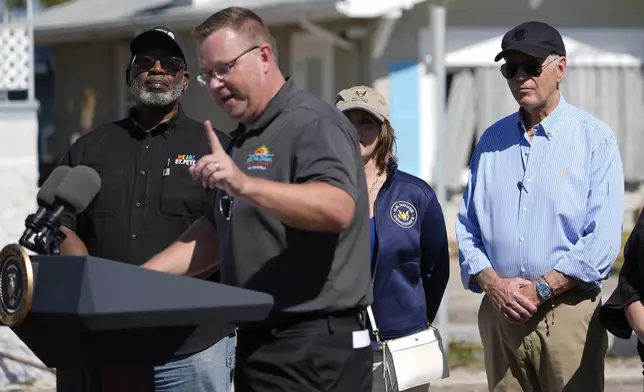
column 351, row 318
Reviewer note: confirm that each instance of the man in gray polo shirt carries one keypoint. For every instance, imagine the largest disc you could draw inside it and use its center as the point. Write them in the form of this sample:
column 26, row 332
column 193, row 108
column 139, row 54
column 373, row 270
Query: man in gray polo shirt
column 290, row 213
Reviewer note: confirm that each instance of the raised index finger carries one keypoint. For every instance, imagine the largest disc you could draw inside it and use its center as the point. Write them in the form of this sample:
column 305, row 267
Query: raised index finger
column 213, row 140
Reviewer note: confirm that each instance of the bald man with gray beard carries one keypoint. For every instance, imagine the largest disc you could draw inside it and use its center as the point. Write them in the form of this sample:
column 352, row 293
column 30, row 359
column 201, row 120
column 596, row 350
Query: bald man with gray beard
column 148, row 198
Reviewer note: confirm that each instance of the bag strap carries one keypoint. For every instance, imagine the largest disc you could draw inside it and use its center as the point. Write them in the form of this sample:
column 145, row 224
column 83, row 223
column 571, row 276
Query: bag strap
column 374, row 327
column 372, row 319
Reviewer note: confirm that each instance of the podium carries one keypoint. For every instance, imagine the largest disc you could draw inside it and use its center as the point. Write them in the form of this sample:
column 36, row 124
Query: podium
column 104, row 325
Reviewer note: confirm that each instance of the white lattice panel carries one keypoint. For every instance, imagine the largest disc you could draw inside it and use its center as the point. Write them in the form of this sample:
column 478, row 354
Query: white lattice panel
column 17, row 197
column 14, row 58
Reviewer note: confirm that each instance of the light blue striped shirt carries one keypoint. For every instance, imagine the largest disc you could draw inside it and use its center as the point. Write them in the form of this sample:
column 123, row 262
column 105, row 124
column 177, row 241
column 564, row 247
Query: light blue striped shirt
column 553, row 203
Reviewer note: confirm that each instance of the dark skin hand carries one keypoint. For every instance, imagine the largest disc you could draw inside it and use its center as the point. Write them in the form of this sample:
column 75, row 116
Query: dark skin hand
column 72, row 246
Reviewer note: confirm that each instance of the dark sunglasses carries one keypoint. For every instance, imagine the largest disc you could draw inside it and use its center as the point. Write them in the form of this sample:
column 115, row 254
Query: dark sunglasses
column 366, row 122
column 532, row 67
column 359, row 117
column 171, row 65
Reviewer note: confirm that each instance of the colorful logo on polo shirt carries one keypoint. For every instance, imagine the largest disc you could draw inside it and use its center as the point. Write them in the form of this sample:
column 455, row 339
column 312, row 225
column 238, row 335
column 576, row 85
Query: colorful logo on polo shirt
column 404, row 214
column 186, row 160
column 260, row 159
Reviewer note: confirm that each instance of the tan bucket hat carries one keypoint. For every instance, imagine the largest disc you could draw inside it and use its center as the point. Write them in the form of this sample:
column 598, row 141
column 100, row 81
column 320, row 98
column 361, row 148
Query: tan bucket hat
column 365, row 98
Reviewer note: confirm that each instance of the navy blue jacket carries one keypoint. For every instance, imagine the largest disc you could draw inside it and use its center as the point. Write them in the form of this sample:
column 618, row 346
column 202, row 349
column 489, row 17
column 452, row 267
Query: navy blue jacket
column 412, row 255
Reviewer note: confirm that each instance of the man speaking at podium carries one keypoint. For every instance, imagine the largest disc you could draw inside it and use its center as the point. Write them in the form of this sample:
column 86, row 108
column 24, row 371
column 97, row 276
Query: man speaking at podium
column 289, row 218
column 148, row 198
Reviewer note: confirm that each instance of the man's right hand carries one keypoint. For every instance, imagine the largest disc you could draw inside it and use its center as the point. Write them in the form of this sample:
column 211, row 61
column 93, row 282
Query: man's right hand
column 506, row 296
column 507, row 299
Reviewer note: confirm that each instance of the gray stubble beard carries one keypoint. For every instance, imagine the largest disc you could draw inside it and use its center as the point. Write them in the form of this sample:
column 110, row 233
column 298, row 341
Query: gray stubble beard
column 151, row 98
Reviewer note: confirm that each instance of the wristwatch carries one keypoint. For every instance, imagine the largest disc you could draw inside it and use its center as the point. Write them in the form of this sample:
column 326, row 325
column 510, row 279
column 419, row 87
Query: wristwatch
column 544, row 291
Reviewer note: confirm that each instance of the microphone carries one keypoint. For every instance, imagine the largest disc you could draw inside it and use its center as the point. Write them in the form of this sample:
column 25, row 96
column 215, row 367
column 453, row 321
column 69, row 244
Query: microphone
column 45, row 198
column 74, row 193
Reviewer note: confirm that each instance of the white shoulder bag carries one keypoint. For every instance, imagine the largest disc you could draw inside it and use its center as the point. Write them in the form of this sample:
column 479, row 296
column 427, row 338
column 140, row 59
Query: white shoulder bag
column 411, row 360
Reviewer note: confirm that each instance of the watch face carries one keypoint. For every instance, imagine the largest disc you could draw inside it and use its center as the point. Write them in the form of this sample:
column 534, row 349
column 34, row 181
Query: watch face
column 543, row 290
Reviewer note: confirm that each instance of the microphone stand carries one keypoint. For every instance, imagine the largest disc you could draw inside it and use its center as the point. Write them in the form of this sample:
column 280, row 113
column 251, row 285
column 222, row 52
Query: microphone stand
column 53, row 241
column 47, row 244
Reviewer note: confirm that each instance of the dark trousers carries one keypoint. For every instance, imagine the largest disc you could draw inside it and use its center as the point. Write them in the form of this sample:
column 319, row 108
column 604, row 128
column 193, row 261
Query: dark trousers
column 313, row 354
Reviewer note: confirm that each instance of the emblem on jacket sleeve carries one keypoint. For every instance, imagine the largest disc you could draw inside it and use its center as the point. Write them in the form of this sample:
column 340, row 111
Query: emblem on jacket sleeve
column 403, row 213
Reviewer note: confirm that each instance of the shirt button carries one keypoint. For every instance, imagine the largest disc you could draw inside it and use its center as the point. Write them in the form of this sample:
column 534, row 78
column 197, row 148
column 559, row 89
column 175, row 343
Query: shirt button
column 143, row 172
column 138, row 205
column 521, row 239
column 529, row 179
column 133, row 236
column 525, row 209
column 523, row 269
column 147, row 146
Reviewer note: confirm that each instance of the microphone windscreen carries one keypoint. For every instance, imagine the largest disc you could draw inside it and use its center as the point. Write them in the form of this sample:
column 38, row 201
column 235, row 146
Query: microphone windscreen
column 46, row 195
column 79, row 188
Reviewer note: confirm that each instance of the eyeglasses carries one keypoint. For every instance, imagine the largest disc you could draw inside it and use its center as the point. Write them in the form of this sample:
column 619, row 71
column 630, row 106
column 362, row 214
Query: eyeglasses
column 171, row 65
column 221, row 71
column 532, row 67
column 226, row 206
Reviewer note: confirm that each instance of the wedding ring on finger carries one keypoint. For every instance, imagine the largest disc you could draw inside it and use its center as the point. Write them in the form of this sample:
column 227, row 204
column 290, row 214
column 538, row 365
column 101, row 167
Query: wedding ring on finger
column 216, row 166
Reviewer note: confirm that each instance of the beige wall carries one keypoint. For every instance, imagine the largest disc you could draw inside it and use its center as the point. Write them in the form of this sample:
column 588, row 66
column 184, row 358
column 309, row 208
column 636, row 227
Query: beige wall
column 198, row 104
column 95, row 65
column 350, row 64
column 78, row 67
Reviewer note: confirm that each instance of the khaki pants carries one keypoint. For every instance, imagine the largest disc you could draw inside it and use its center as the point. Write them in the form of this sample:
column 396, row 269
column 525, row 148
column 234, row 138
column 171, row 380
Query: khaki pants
column 525, row 357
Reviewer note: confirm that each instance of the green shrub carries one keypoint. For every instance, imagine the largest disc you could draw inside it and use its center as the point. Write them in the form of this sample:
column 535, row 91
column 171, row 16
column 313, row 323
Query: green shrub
column 464, row 354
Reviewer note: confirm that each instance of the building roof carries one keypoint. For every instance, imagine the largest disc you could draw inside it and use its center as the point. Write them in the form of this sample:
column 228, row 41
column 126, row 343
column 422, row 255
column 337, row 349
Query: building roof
column 84, row 19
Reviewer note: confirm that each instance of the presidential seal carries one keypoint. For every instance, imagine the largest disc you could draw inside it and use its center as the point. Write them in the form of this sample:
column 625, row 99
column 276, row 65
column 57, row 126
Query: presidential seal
column 16, row 285
column 404, row 214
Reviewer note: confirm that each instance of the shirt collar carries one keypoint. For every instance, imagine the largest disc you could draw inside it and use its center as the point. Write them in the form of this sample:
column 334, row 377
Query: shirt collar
column 273, row 109
column 275, row 105
column 166, row 128
column 548, row 126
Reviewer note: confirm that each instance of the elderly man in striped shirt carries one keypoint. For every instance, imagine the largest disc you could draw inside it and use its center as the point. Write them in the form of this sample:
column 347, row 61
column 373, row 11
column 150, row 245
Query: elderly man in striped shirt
column 540, row 225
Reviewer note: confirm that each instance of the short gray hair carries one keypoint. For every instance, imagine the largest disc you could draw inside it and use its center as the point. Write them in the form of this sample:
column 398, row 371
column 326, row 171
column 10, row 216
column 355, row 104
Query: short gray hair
column 555, row 58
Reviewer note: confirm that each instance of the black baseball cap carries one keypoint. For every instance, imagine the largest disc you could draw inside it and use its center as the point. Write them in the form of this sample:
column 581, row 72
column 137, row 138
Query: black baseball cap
column 157, row 37
column 537, row 39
